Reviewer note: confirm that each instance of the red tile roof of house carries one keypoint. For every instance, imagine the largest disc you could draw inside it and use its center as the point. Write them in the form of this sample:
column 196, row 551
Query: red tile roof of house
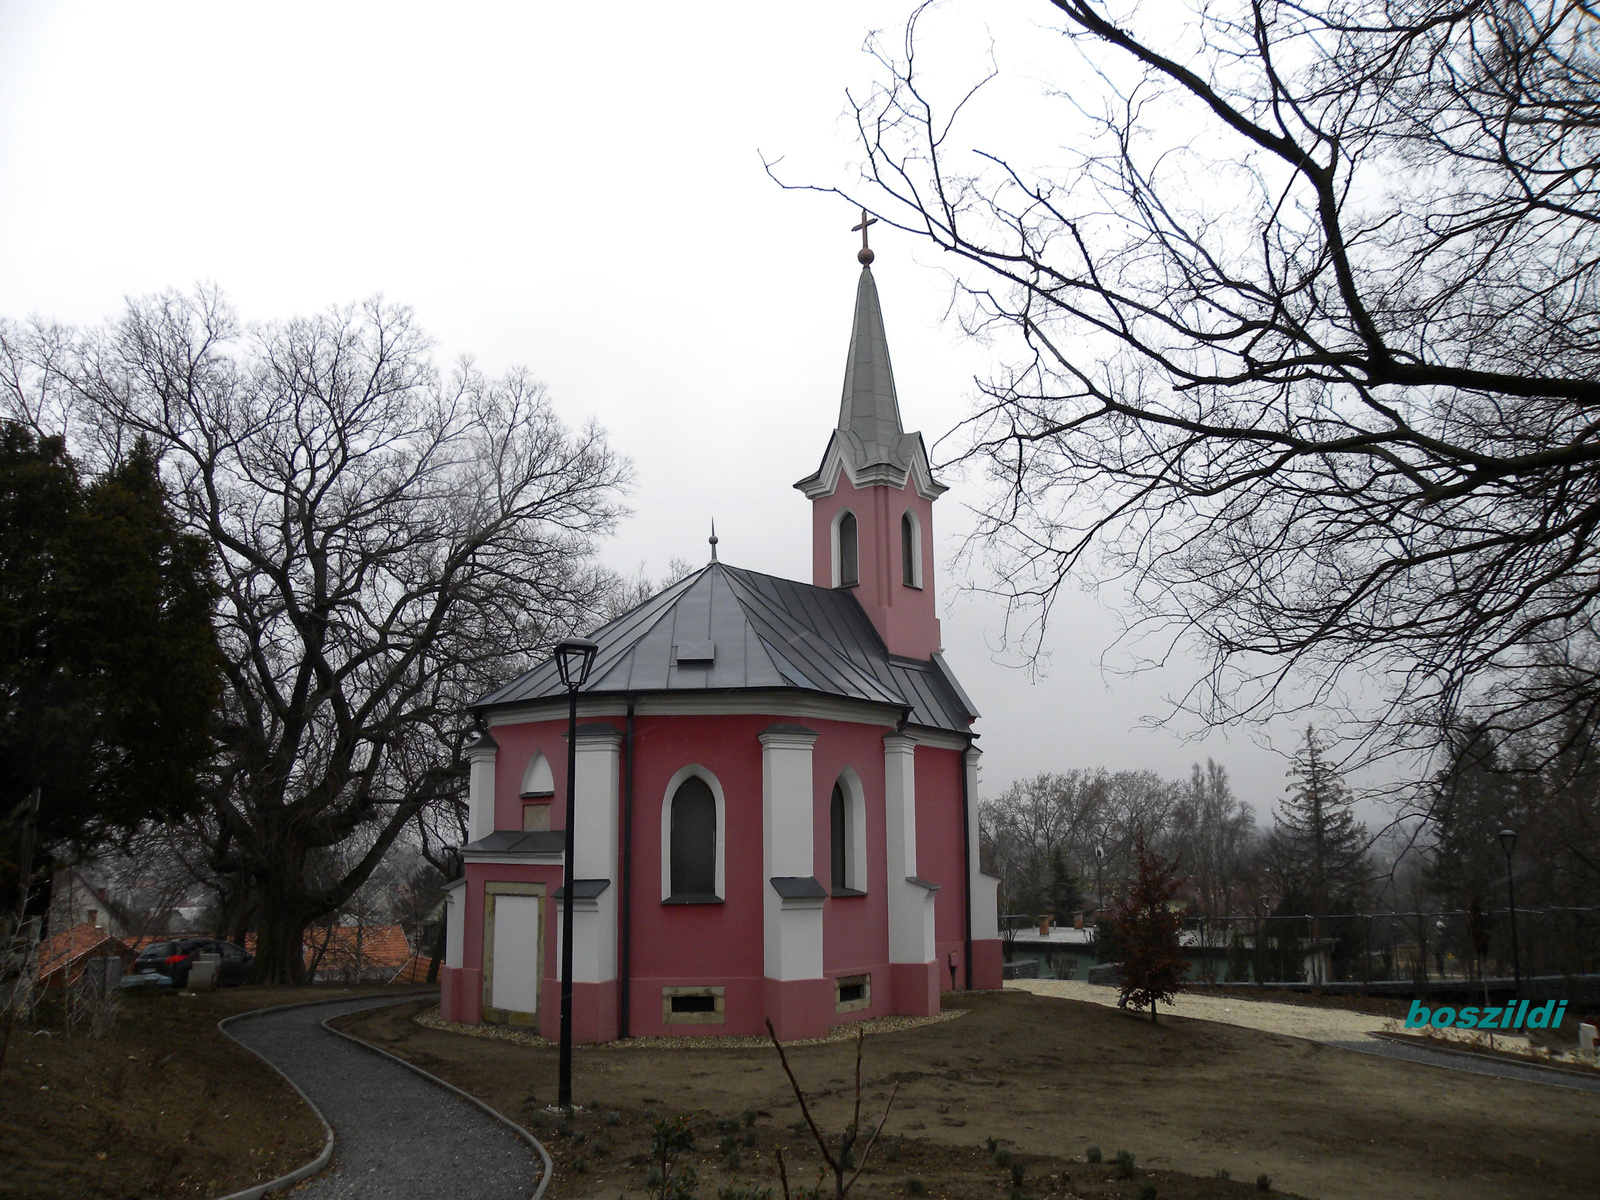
column 71, row 946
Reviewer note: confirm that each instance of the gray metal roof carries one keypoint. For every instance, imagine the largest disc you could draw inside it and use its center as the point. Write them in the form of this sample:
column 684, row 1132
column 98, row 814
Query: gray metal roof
column 869, row 408
column 747, row 631
column 869, row 434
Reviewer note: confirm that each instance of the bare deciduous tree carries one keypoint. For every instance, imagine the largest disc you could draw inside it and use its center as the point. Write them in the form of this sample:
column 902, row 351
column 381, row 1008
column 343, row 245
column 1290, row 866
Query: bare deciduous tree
column 1307, row 339
column 392, row 541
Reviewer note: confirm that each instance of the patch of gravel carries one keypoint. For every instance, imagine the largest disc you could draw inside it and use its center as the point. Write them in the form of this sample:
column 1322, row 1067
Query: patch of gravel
column 1314, row 1024
column 429, row 1018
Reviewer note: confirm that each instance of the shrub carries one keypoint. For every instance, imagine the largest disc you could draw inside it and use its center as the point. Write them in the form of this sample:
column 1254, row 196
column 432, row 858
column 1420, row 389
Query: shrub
column 750, row 1116
column 891, row 1149
column 600, row 1147
column 1147, row 1191
column 579, row 1137
column 668, row 1178
column 1092, row 1154
column 749, row 1137
column 1017, row 1171
column 1124, row 1164
column 1224, row 1173
column 914, row 1186
column 580, row 1164
column 1263, row 1183
column 613, row 1117
column 1002, row 1157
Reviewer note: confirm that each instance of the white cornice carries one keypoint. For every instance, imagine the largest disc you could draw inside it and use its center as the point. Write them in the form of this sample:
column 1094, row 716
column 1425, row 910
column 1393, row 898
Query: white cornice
column 836, row 461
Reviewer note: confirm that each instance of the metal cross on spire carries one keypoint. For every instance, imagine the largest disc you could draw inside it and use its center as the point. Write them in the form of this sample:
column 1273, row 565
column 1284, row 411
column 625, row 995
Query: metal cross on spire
column 864, row 255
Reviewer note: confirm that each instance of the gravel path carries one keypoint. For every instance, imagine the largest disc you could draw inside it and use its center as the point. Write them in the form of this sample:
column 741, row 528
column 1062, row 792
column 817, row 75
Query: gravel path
column 396, row 1135
column 1332, row 1026
column 1315, row 1024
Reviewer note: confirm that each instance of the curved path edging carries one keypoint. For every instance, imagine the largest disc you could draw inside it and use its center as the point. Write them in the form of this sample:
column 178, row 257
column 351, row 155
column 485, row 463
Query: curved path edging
column 321, row 1161
column 544, row 1155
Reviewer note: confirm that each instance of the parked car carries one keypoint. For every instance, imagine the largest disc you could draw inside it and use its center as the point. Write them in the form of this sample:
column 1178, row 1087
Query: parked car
column 171, row 961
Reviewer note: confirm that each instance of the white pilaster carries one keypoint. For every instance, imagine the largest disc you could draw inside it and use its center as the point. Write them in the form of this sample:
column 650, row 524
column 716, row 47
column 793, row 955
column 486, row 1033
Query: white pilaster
column 480, row 787
column 455, row 922
column 594, row 934
column 910, row 900
column 596, row 801
column 791, row 926
column 985, row 889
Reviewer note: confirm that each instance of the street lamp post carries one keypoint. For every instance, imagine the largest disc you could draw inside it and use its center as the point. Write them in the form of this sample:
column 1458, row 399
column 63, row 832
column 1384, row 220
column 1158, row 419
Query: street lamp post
column 574, row 657
column 1100, row 892
column 1508, row 843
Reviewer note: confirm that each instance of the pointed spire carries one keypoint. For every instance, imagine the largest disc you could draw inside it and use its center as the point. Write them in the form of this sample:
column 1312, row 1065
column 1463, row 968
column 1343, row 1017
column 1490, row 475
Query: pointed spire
column 869, row 408
column 713, row 539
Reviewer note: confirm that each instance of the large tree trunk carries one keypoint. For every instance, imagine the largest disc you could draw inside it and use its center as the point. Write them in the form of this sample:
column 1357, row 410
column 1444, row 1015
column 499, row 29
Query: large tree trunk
column 438, row 951
column 281, row 921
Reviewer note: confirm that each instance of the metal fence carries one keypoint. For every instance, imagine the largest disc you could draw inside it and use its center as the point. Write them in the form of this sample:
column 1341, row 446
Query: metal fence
column 1415, row 947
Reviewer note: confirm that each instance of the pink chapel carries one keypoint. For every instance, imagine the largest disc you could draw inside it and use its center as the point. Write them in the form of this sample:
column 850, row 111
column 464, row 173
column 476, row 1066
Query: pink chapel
column 776, row 785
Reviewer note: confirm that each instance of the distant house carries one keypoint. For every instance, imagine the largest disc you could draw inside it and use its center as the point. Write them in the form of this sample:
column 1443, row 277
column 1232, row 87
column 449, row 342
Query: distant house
column 356, row 953
column 1066, row 953
column 64, row 957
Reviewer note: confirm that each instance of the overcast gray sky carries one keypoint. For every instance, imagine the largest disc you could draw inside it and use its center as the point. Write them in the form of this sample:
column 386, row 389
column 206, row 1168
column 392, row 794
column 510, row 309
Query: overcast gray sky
column 574, row 188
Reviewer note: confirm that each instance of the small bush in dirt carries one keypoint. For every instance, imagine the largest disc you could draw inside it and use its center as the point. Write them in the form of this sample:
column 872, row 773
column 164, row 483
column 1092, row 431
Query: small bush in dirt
column 650, row 1114
column 669, row 1177
column 1017, row 1171
column 990, row 1145
column 891, row 1149
column 749, row 1137
column 1224, row 1173
column 914, row 1186
column 1092, row 1154
column 580, row 1164
column 727, row 1124
column 797, row 1127
column 1147, row 1191
column 749, row 1117
column 600, row 1147
column 564, row 1127
column 1263, row 1183
column 579, row 1137
column 728, row 1144
column 613, row 1118
column 1124, row 1164
column 1002, row 1157
column 536, row 1120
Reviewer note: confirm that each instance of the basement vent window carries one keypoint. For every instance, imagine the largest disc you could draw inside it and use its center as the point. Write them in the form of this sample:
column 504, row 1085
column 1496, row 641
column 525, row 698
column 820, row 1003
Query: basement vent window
column 691, row 1005
column 854, row 993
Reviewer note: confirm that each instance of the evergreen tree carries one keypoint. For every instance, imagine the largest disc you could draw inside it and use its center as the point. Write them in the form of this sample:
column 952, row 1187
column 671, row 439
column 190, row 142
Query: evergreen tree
column 1318, row 833
column 1146, row 926
column 109, row 669
column 1066, row 890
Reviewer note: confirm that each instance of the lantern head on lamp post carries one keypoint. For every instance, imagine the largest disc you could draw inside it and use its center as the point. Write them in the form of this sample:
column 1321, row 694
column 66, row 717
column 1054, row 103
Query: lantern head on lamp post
column 574, row 659
column 1508, row 843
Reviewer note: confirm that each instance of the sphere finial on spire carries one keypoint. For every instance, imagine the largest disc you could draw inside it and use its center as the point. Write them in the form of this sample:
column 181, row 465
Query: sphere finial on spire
column 713, row 539
column 864, row 256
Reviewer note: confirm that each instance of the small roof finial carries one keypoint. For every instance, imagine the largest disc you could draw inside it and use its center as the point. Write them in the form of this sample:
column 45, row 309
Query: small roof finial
column 713, row 539
column 864, row 255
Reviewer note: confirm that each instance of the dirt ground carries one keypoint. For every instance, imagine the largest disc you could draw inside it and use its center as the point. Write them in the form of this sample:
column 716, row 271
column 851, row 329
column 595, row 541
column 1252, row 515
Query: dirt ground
column 164, row 1106
column 1046, row 1078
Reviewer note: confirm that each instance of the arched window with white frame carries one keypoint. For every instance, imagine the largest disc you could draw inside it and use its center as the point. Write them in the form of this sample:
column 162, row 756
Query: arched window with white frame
column 847, row 823
column 846, row 549
column 538, row 790
column 910, row 549
column 693, row 817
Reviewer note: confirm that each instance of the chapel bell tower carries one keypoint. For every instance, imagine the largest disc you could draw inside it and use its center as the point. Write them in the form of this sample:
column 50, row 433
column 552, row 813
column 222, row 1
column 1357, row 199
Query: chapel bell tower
column 872, row 497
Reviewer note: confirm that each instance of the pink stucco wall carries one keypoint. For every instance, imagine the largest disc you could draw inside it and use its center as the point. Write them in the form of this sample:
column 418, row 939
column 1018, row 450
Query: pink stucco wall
column 721, row 944
column 903, row 616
